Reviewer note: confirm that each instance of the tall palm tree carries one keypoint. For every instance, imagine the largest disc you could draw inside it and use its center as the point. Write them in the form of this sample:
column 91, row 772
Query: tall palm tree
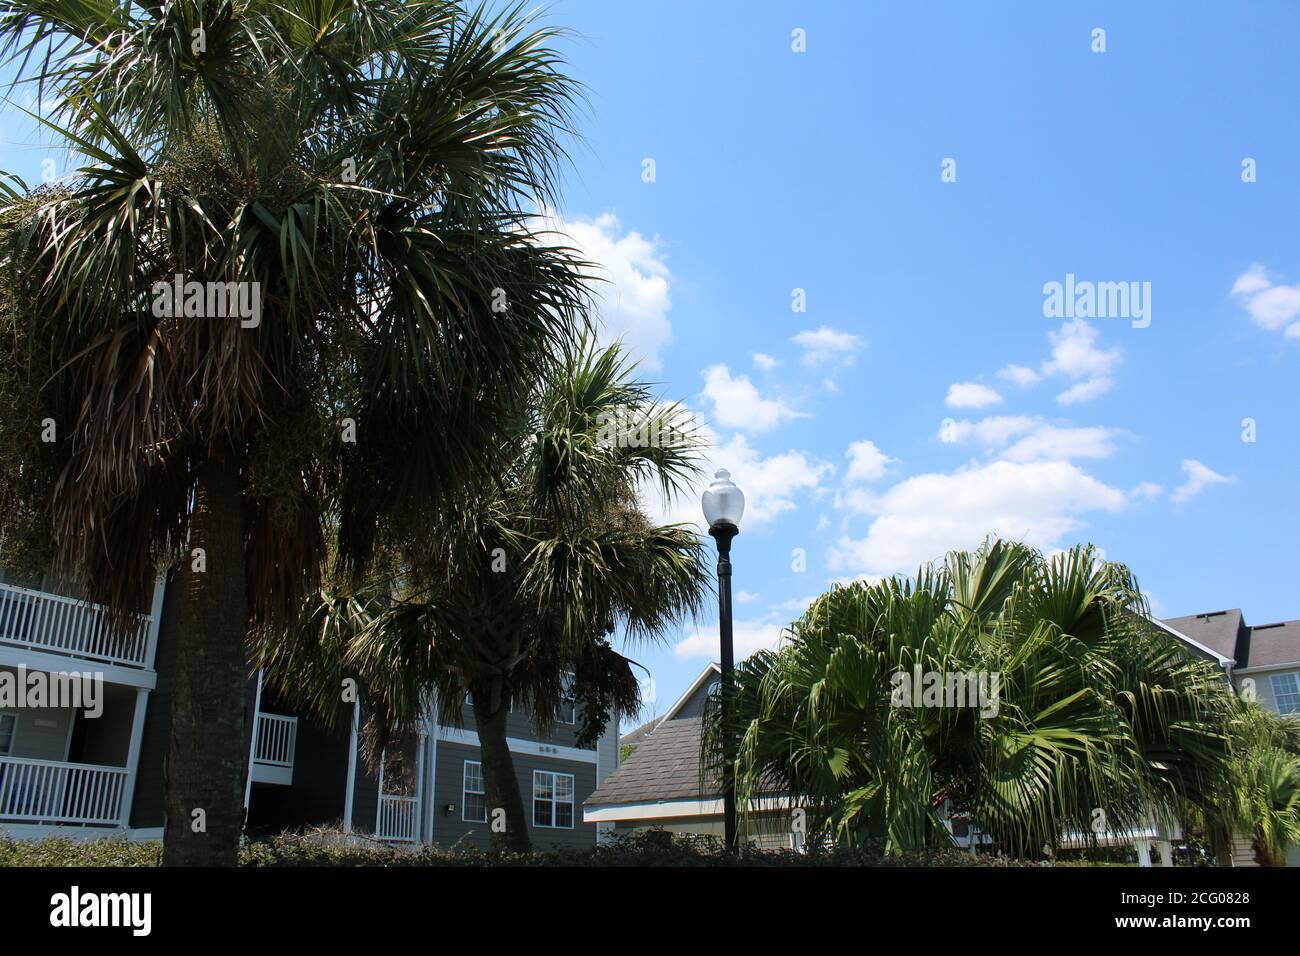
column 365, row 170
column 515, row 596
column 1085, row 709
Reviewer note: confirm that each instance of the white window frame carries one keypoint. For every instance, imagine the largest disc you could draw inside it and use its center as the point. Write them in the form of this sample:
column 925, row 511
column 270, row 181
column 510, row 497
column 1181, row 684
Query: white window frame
column 568, row 698
column 465, row 791
column 554, row 801
column 13, row 734
column 1275, row 684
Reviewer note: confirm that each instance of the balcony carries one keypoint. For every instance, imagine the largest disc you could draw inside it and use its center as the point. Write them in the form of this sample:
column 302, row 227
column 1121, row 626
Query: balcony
column 54, row 624
column 56, row 792
column 273, row 749
column 399, row 818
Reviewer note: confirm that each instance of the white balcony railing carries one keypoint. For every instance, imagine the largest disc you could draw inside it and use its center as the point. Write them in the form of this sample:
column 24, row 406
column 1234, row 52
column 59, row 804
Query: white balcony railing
column 277, row 736
column 398, row 818
column 51, row 791
column 64, row 625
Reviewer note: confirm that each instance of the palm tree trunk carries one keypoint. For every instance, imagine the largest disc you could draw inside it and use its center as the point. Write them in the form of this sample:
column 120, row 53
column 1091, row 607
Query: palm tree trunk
column 208, row 751
column 500, row 785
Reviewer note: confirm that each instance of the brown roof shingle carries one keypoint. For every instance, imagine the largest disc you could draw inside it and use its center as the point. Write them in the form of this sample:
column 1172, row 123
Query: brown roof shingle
column 665, row 766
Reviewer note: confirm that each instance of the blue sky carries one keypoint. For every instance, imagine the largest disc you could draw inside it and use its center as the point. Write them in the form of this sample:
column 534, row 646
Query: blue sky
column 923, row 399
column 776, row 170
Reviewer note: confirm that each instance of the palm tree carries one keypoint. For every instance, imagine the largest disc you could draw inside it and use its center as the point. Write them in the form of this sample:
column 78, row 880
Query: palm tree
column 1084, row 709
column 516, row 594
column 363, row 171
column 1262, row 790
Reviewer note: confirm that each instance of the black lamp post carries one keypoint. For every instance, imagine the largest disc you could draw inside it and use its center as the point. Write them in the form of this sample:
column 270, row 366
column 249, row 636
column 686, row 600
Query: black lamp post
column 724, row 504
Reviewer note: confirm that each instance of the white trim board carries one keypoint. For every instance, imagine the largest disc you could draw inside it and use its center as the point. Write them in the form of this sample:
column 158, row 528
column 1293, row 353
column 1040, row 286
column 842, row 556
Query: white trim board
column 673, row 808
column 61, row 664
column 536, row 748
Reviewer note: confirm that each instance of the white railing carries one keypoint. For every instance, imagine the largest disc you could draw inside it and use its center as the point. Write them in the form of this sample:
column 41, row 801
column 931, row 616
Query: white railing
column 277, row 736
column 398, row 818
column 64, row 625
column 50, row 791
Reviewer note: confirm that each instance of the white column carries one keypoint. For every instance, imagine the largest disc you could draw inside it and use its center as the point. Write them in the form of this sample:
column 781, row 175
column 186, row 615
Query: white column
column 352, row 768
column 420, row 788
column 1144, row 852
column 252, row 745
column 1165, row 852
column 155, row 618
column 133, row 754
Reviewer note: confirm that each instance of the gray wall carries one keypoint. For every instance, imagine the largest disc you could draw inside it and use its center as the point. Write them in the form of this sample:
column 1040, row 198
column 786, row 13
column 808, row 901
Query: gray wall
column 447, row 776
column 41, row 733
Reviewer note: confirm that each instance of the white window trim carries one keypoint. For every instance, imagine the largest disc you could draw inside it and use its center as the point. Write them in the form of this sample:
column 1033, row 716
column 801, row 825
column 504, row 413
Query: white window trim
column 464, row 790
column 13, row 736
column 1274, row 681
column 554, row 801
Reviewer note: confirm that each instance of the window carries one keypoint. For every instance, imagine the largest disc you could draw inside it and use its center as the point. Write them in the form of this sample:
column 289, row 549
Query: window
column 1286, row 693
column 8, row 725
column 567, row 711
column 473, row 804
column 552, row 799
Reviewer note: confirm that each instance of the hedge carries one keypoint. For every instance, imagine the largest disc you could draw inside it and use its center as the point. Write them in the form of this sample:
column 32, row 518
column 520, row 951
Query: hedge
column 655, row 848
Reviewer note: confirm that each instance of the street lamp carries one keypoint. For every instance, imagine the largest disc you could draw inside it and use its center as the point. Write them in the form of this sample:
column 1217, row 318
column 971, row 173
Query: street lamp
column 724, row 504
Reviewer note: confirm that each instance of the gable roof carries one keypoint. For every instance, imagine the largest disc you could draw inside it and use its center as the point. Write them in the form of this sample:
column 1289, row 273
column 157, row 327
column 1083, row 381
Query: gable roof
column 1217, row 630
column 1227, row 634
column 691, row 691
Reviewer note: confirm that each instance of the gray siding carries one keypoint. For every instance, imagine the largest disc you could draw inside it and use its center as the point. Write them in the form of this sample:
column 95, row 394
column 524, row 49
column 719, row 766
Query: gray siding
column 693, row 706
column 520, row 724
column 449, row 829
column 42, row 733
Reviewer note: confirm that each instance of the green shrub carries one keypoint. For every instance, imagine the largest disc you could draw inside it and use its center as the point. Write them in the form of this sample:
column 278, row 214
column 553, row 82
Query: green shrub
column 332, row 848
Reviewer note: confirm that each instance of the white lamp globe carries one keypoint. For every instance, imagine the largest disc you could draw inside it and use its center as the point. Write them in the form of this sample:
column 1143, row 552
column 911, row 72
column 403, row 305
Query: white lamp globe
column 723, row 502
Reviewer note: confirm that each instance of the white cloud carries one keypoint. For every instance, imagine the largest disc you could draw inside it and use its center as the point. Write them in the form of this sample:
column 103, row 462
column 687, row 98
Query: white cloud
column 772, row 484
column 1063, row 443
column 747, row 636
column 921, row 518
column 1019, row 374
column 1075, row 353
column 1253, row 280
column 1272, row 307
column 746, row 597
column 738, row 404
column 1086, row 390
column 1034, row 439
column 1199, row 477
column 633, row 301
column 866, row 461
column 1146, row 491
column 991, row 432
column 826, row 345
column 765, row 362
column 971, row 395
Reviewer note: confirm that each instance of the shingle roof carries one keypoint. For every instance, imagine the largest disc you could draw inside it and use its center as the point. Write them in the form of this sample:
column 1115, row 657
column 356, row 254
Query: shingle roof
column 665, row 766
column 1271, row 644
column 636, row 736
column 1264, row 645
column 1217, row 630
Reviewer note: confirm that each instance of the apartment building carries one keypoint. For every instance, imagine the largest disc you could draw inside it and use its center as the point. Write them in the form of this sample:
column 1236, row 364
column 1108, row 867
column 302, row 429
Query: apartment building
column 64, row 770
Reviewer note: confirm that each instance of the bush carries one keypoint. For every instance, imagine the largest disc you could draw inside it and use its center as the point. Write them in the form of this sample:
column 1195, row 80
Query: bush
column 332, row 848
